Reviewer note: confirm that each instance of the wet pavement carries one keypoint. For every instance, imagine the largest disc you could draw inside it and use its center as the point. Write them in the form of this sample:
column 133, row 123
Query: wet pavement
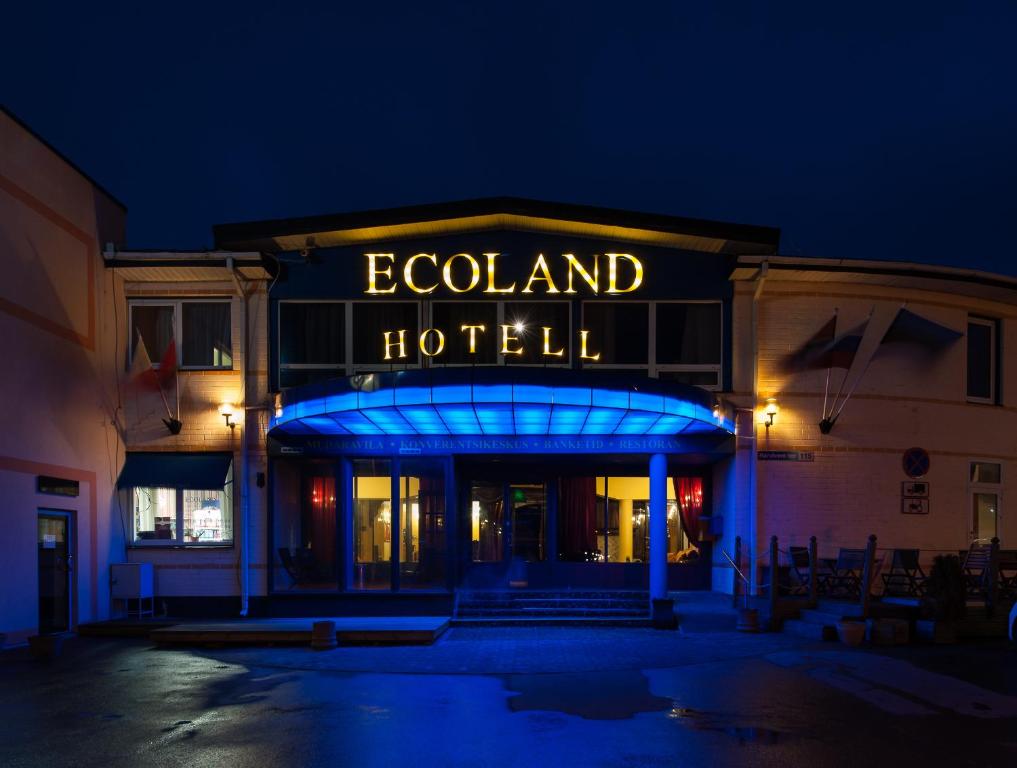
column 514, row 697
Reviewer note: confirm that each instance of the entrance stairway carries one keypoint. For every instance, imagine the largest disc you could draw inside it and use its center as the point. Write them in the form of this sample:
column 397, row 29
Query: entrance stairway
column 572, row 607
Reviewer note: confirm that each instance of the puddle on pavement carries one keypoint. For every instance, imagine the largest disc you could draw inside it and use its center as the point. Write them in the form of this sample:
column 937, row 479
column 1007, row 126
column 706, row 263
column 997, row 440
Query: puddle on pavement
column 709, row 721
column 615, row 695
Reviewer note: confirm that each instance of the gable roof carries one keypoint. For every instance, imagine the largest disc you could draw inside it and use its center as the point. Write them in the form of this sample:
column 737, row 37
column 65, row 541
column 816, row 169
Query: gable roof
column 493, row 213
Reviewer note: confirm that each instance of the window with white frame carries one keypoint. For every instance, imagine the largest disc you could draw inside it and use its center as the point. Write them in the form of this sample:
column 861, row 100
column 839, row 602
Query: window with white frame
column 674, row 340
column 983, row 352
column 172, row 517
column 201, row 328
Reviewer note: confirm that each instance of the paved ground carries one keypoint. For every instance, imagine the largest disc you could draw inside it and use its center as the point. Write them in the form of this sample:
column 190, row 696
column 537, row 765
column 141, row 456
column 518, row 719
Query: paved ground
column 514, row 697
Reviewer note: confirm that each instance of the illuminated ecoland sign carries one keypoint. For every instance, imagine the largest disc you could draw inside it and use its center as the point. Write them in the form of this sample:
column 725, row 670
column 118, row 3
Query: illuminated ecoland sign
column 423, row 273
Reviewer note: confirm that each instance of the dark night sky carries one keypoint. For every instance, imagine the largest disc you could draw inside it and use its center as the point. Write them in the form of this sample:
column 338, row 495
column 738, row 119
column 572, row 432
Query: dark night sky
column 878, row 131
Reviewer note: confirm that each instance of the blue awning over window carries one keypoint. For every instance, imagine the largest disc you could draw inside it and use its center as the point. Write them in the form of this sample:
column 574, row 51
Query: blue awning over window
column 183, row 471
column 501, row 401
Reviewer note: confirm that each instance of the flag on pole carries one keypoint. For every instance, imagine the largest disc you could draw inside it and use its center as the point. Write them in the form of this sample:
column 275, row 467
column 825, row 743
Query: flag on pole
column 142, row 376
column 807, row 356
column 168, row 364
column 841, row 352
column 909, row 328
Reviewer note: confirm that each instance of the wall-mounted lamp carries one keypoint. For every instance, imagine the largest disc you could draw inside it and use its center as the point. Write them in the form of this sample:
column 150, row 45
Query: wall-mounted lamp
column 770, row 412
column 226, row 411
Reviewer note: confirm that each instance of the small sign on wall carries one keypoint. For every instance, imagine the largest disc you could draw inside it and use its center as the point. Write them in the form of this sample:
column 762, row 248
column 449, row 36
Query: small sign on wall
column 914, row 498
column 786, row 456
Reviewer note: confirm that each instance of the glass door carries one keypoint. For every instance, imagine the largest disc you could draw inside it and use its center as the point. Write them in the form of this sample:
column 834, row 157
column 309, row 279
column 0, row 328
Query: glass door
column 56, row 559
column 985, row 516
column 528, row 505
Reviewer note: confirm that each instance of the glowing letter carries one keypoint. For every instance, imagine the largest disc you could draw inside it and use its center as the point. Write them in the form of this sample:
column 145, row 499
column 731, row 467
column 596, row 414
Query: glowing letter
column 423, row 341
column 574, row 264
column 547, row 344
column 506, row 337
column 389, row 344
column 473, row 336
column 582, row 348
column 408, row 272
column 447, row 273
column 373, row 272
column 612, row 276
column 490, row 277
column 540, row 266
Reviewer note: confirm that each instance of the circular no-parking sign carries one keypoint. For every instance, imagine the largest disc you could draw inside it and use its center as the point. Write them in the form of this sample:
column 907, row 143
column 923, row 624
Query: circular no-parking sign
column 916, row 462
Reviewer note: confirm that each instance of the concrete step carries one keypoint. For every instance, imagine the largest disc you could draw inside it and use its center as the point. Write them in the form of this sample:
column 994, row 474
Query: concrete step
column 551, row 621
column 809, row 630
column 557, row 604
column 556, row 594
column 592, row 611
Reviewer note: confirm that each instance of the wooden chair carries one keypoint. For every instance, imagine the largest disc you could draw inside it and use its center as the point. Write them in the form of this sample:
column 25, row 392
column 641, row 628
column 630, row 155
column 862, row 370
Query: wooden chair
column 300, row 570
column 846, row 579
column 906, row 577
column 976, row 563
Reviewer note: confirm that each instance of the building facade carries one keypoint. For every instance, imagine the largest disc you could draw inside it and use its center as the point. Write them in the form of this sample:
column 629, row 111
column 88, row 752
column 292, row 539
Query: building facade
column 371, row 412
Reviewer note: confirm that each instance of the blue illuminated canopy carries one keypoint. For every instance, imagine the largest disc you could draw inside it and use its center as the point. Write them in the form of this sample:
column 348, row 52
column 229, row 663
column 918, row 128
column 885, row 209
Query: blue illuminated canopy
column 497, row 401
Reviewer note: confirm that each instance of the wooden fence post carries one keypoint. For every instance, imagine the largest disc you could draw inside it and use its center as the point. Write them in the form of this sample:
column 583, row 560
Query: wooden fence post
column 738, row 567
column 774, row 568
column 993, row 585
column 813, row 574
column 867, row 573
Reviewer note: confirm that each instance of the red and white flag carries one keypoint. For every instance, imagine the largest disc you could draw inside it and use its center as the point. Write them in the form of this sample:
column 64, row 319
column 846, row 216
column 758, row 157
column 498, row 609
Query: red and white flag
column 142, row 376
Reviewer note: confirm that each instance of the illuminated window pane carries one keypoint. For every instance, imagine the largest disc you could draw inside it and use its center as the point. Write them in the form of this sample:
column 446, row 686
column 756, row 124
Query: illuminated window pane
column 372, row 524
column 421, row 525
column 154, row 514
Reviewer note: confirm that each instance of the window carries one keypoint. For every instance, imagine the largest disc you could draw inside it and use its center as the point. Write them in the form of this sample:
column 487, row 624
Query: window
column 312, row 341
column 619, row 332
column 450, row 316
column 672, row 340
column 371, row 320
column 982, row 355
column 534, row 316
column 202, row 330
column 182, row 517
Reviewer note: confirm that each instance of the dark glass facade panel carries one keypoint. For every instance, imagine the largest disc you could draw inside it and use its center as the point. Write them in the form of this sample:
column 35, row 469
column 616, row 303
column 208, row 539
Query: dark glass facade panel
column 487, row 521
column 155, row 326
column 534, row 316
column 371, row 320
column 450, row 316
column 312, row 333
column 305, row 526
column 980, row 358
column 296, row 377
column 688, row 333
column 619, row 331
column 207, row 335
column 528, row 507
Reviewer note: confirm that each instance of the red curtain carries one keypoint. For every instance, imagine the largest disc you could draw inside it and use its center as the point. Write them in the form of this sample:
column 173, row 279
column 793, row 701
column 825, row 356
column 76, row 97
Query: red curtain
column 321, row 503
column 689, row 493
column 577, row 506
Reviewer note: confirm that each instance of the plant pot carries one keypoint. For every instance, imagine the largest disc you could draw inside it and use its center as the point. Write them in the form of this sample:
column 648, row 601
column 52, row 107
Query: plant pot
column 45, row 647
column 851, row 633
column 748, row 620
column 662, row 614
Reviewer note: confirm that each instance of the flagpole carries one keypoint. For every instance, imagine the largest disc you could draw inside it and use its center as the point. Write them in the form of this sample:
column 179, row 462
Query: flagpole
column 829, row 369
column 858, row 379
column 833, row 416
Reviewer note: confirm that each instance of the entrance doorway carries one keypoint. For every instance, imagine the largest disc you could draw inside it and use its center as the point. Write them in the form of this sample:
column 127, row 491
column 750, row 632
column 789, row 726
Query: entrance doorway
column 56, row 564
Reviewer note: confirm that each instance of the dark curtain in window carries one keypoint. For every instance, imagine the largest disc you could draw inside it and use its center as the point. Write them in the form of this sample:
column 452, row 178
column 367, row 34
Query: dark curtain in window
column 451, row 316
column 577, row 507
column 311, row 333
column 980, row 355
column 370, row 321
column 207, row 335
column 155, row 326
column 618, row 331
column 688, row 334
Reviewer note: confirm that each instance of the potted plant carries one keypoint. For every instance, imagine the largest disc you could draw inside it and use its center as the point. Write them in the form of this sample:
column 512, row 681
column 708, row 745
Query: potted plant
column 945, row 601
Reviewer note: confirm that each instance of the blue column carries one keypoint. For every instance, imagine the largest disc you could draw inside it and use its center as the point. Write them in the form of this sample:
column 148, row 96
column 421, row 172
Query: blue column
column 658, row 525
